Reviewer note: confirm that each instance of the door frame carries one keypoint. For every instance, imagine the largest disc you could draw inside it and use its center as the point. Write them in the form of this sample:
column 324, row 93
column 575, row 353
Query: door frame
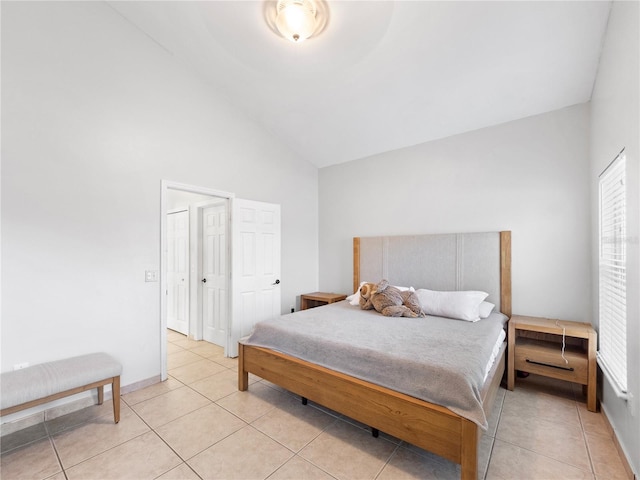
column 164, row 186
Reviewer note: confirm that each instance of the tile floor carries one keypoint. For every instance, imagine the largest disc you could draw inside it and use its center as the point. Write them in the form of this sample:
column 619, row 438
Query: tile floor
column 196, row 425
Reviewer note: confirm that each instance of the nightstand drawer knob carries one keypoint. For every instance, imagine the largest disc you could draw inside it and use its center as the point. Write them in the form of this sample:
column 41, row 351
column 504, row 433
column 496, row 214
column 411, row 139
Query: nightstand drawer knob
column 277, row 282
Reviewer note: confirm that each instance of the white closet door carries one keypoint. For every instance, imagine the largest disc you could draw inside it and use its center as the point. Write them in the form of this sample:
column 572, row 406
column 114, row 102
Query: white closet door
column 178, row 271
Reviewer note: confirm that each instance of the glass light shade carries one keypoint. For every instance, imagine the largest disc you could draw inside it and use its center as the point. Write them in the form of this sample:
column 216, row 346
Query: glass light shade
column 296, row 19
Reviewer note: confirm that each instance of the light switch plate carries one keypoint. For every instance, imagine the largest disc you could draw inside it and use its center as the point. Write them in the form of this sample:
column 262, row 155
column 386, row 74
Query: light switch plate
column 150, row 275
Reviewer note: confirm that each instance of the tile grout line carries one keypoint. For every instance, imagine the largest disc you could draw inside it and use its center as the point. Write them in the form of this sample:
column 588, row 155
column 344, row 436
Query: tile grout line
column 246, row 424
column 495, row 436
column 98, row 454
column 163, row 441
column 584, row 434
column 387, row 461
column 181, row 416
column 295, row 454
column 586, row 444
column 55, row 450
column 575, row 404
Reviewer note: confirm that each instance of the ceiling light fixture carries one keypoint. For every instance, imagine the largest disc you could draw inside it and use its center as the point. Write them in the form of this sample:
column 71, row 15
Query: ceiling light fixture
column 296, row 19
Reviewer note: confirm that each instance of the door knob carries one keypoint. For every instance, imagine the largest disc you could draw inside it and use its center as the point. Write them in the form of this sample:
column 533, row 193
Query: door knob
column 277, row 282
column 204, row 280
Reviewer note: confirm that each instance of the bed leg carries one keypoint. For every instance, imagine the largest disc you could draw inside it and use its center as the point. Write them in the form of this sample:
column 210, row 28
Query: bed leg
column 243, row 375
column 470, row 444
column 304, row 400
column 375, row 433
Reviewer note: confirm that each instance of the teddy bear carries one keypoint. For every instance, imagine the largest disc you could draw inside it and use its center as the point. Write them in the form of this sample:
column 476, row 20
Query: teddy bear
column 389, row 300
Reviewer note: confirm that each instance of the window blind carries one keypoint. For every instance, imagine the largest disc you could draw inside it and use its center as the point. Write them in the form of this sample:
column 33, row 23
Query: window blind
column 612, row 273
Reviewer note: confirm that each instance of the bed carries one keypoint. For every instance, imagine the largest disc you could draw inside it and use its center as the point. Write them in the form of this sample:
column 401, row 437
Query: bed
column 467, row 261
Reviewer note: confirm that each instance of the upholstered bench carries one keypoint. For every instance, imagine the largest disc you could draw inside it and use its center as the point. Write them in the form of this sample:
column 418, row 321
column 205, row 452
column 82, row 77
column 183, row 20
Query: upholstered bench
column 38, row 384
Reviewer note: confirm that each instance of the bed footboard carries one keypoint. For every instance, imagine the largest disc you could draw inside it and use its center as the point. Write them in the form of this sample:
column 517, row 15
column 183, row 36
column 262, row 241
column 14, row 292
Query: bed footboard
column 420, row 423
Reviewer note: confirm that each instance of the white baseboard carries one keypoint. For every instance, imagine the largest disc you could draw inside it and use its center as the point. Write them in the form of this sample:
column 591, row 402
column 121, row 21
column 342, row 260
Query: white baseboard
column 619, row 447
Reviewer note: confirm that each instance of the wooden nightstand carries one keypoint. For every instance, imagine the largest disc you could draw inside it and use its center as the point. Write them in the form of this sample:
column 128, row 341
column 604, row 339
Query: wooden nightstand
column 316, row 299
column 535, row 346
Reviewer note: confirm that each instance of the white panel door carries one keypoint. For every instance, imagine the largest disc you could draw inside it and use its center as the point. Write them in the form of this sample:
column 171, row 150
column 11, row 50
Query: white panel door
column 214, row 274
column 255, row 269
column 178, row 271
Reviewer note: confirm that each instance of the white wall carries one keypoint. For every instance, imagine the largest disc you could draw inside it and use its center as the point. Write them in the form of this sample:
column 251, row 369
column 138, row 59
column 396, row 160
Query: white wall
column 94, row 116
column 615, row 123
column 529, row 176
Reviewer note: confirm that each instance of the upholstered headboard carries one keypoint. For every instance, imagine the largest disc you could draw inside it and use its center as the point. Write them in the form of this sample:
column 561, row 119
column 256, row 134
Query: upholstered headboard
column 457, row 261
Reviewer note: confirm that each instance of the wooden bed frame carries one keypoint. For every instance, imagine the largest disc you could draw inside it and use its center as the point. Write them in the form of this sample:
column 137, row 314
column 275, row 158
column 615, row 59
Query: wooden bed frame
column 426, row 425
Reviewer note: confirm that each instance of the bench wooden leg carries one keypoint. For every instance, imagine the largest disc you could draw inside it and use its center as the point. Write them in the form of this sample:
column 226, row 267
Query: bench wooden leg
column 115, row 392
column 100, row 394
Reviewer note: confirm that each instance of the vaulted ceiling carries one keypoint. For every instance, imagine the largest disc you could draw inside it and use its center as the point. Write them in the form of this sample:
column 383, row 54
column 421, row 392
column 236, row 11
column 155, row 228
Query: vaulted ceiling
column 385, row 75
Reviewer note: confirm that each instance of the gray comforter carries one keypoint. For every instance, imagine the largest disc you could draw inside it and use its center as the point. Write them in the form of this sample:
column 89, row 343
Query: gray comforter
column 435, row 359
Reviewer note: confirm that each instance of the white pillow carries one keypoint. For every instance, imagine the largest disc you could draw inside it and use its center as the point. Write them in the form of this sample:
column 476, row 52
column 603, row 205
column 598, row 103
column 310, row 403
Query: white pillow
column 354, row 299
column 464, row 305
column 485, row 309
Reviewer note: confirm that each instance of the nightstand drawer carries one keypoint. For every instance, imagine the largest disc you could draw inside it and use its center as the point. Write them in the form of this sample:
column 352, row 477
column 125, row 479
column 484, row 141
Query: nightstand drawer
column 544, row 358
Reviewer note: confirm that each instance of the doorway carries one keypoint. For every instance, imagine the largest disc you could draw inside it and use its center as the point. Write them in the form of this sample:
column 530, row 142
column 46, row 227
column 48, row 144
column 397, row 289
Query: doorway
column 237, row 252
column 183, row 297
